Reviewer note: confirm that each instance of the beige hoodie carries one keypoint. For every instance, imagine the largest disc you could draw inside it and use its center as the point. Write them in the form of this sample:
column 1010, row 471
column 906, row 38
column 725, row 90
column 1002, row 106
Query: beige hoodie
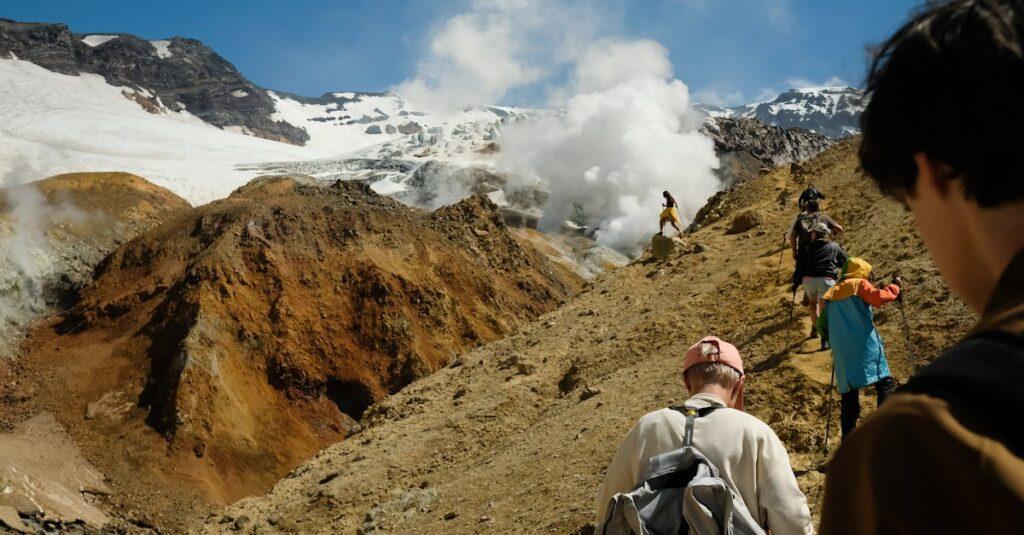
column 748, row 454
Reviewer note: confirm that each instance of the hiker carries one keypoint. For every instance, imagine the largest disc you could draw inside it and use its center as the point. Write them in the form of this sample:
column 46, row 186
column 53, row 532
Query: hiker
column 800, row 237
column 749, row 457
column 669, row 214
column 809, row 194
column 825, row 260
column 945, row 454
column 857, row 350
column 800, row 229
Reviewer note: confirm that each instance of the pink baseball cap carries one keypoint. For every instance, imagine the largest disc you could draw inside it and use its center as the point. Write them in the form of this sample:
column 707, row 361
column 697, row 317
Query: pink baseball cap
column 727, row 354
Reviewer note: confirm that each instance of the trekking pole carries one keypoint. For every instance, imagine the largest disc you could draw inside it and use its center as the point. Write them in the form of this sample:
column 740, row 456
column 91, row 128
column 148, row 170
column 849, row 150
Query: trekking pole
column 792, row 305
column 906, row 330
column 828, row 402
column 782, row 253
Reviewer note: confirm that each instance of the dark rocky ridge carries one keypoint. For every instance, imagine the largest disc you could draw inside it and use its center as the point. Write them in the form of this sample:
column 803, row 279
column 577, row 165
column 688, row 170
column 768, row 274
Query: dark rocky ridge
column 745, row 146
column 193, row 77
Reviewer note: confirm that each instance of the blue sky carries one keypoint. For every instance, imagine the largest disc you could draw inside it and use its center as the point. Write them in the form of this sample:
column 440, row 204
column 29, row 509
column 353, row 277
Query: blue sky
column 730, row 51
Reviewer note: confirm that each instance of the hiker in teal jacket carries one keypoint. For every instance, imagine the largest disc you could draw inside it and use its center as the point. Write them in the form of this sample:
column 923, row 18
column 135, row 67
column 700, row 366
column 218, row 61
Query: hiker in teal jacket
column 857, row 350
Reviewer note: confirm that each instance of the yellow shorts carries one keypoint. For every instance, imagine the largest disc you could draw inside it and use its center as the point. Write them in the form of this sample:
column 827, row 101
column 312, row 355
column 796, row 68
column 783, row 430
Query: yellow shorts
column 669, row 214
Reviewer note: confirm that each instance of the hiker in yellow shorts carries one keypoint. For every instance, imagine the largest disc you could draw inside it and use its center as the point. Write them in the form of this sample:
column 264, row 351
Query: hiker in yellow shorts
column 669, row 214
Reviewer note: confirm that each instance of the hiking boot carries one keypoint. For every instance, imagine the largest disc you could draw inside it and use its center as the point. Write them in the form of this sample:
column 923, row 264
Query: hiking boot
column 825, row 346
column 814, row 333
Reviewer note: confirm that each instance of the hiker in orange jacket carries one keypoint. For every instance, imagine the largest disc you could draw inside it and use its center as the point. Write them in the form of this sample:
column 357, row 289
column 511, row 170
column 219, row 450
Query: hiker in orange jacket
column 847, row 323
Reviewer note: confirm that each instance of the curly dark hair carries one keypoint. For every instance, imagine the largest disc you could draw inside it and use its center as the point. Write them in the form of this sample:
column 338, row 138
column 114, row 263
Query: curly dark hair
column 950, row 84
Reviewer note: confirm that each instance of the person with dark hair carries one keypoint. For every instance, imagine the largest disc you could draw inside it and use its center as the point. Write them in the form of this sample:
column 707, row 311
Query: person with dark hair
column 669, row 214
column 800, row 243
column 945, row 454
column 809, row 194
column 825, row 261
column 800, row 229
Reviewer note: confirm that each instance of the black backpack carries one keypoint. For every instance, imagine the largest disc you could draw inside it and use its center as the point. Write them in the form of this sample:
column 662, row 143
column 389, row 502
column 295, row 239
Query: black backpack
column 804, row 224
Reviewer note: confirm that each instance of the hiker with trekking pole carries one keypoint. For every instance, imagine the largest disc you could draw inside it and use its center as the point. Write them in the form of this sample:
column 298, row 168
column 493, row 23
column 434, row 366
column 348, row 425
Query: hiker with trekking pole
column 799, row 236
column 858, row 353
column 824, row 262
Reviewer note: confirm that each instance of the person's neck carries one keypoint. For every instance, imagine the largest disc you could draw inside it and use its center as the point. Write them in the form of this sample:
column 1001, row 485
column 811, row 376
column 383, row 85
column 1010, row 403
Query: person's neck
column 997, row 235
column 723, row 394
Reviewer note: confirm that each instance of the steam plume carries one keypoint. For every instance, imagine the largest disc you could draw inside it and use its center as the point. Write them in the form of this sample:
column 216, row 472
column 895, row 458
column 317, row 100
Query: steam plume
column 27, row 262
column 625, row 131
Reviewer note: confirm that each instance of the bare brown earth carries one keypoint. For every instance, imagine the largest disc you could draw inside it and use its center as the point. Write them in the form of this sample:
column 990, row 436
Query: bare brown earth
column 80, row 218
column 514, row 436
column 126, row 197
column 217, row 351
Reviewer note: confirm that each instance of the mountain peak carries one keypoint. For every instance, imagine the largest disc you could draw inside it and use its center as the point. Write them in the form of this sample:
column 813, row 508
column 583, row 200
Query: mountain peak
column 832, row 111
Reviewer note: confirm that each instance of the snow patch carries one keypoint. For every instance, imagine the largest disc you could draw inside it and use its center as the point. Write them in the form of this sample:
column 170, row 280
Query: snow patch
column 65, row 123
column 238, row 93
column 163, row 50
column 97, row 40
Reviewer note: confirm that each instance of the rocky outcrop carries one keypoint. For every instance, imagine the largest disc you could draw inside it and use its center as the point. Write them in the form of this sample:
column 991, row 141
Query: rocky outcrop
column 254, row 330
column 746, row 146
column 176, row 74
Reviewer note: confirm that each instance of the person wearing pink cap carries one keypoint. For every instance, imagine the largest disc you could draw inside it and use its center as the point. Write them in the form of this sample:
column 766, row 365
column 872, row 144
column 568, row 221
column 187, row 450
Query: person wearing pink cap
column 748, row 454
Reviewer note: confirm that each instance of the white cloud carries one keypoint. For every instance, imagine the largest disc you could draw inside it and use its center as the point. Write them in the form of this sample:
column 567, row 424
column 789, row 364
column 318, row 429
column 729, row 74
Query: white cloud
column 766, row 94
column 801, row 83
column 494, row 47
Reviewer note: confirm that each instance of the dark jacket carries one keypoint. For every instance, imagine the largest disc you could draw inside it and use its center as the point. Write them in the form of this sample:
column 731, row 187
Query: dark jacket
column 824, row 259
column 946, row 453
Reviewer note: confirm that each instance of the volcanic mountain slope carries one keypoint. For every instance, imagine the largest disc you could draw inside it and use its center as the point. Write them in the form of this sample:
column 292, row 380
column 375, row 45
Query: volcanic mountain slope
column 54, row 231
column 250, row 332
column 513, row 437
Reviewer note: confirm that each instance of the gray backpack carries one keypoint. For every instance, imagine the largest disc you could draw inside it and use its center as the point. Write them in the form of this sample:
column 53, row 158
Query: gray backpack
column 681, row 492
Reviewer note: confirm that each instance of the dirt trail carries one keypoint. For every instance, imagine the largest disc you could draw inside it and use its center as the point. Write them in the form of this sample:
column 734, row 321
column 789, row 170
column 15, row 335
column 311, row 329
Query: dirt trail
column 514, row 436
column 43, row 472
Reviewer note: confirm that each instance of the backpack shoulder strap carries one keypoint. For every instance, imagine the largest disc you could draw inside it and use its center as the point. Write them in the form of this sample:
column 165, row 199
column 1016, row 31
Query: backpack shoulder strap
column 691, row 414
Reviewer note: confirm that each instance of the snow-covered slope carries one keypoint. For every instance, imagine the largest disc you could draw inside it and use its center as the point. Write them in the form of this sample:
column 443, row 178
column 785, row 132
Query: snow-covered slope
column 380, row 125
column 54, row 123
column 829, row 111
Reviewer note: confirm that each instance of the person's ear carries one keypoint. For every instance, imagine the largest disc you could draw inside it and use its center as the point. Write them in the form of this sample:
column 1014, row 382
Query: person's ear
column 686, row 383
column 931, row 176
column 736, row 396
